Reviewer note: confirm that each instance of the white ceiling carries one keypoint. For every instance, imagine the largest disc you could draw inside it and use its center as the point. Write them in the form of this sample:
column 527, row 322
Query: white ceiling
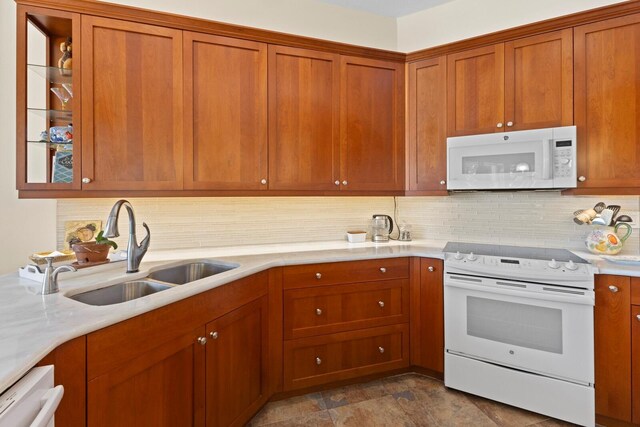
column 392, row 8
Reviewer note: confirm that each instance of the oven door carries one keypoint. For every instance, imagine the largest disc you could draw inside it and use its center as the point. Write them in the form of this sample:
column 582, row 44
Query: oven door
column 485, row 162
column 537, row 328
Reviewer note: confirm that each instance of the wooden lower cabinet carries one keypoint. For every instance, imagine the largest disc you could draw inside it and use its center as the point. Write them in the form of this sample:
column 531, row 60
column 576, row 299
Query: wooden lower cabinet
column 322, row 359
column 236, row 365
column 635, row 364
column 613, row 347
column 431, row 316
column 161, row 387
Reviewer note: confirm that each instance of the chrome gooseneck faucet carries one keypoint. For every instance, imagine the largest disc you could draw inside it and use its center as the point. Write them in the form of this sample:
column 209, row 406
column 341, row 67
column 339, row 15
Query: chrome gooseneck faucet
column 135, row 252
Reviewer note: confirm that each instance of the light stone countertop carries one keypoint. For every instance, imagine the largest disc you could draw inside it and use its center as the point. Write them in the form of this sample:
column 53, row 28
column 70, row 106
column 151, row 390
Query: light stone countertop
column 32, row 325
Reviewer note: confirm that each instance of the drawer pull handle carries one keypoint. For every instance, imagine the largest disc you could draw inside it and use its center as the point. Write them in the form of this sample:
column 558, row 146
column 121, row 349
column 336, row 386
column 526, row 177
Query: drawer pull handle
column 613, row 289
column 202, row 340
column 383, row 270
column 318, row 276
column 638, row 317
column 430, row 268
column 381, row 350
column 381, row 304
column 214, row 335
column 318, row 361
column 318, row 311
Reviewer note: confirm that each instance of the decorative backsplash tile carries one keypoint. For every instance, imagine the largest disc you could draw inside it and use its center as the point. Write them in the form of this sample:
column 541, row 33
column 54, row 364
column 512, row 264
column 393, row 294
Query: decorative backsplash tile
column 520, row 218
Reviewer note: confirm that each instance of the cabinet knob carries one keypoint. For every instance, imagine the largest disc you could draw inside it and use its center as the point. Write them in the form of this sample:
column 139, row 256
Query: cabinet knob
column 318, row 361
column 613, row 289
column 318, row 311
column 430, row 268
column 345, row 182
column 202, row 340
column 383, row 270
column 337, row 182
column 86, row 180
column 263, row 181
column 381, row 304
column 509, row 124
column 318, row 276
column 443, row 182
column 582, row 178
column 638, row 317
column 381, row 349
column 499, row 125
column 214, row 335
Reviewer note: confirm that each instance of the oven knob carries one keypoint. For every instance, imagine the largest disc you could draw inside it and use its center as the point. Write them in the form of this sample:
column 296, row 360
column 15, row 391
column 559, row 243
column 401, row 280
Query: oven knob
column 458, row 256
column 553, row 264
column 471, row 257
column 571, row 266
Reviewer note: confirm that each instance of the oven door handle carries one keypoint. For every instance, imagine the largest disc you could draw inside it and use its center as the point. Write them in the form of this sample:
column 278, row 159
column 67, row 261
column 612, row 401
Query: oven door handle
column 586, row 299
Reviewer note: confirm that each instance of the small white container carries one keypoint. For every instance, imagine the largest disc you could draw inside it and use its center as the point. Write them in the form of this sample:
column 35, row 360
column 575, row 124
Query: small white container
column 356, row 236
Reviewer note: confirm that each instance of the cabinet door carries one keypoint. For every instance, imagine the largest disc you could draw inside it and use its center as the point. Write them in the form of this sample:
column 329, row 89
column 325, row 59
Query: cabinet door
column 225, row 113
column 475, row 91
column 371, row 125
column 236, row 365
column 431, row 315
column 427, row 125
column 607, row 87
column 131, row 106
column 635, row 367
column 539, row 81
column 161, row 387
column 613, row 347
column 304, row 102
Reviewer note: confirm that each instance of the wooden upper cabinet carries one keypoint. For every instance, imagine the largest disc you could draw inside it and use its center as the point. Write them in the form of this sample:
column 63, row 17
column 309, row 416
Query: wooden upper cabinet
column 371, row 124
column 132, row 106
column 427, row 139
column 304, row 106
column 539, row 81
column 522, row 84
column 475, row 91
column 236, row 378
column 225, row 113
column 607, row 89
column 613, row 347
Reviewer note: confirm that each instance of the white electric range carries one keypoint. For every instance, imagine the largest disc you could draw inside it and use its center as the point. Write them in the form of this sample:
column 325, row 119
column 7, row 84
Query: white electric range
column 519, row 328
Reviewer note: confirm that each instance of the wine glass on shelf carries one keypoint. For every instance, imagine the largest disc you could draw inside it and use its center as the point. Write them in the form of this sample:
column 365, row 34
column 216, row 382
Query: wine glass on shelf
column 62, row 95
column 69, row 88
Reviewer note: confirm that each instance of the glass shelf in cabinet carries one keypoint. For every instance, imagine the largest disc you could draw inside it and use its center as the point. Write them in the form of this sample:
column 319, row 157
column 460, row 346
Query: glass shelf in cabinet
column 52, row 74
column 52, row 114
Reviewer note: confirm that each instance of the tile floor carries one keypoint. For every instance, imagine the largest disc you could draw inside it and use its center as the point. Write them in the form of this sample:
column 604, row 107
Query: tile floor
column 402, row 400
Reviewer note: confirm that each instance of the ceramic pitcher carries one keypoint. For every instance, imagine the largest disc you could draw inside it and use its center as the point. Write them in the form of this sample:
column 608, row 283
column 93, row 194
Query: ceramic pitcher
column 607, row 240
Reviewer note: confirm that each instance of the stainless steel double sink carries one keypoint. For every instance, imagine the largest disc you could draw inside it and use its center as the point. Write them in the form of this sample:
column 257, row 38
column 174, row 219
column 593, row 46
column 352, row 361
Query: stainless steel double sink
column 156, row 281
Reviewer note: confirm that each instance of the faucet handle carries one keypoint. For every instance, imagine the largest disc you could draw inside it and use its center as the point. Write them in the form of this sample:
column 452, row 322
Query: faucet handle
column 144, row 244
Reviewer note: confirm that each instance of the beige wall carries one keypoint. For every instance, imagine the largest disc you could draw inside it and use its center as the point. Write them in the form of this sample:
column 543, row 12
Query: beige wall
column 26, row 226
column 461, row 19
column 310, row 18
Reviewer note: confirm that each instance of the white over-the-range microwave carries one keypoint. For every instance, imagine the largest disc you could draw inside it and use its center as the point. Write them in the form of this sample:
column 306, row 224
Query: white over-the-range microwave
column 530, row 159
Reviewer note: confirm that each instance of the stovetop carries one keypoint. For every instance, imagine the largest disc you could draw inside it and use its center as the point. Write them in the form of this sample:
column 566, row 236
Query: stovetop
column 514, row 252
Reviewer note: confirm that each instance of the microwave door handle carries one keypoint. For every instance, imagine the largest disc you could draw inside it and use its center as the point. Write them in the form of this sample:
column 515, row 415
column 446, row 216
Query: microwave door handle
column 546, row 159
column 575, row 299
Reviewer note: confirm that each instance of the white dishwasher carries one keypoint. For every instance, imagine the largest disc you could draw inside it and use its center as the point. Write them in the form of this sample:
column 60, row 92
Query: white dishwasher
column 32, row 401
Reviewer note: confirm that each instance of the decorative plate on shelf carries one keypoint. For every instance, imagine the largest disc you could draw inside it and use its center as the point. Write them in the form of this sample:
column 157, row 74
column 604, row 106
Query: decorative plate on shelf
column 622, row 259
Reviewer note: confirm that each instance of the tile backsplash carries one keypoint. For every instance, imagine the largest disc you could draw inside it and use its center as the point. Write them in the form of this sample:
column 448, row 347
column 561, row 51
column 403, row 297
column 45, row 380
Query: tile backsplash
column 520, row 218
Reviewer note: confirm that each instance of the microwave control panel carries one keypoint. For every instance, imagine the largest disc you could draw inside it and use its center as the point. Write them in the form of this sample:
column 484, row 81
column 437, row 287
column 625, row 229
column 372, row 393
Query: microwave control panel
column 564, row 158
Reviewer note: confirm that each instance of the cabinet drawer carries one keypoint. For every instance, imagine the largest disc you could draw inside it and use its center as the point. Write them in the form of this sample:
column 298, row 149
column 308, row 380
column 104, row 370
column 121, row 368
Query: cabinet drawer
column 338, row 308
column 335, row 357
column 301, row 276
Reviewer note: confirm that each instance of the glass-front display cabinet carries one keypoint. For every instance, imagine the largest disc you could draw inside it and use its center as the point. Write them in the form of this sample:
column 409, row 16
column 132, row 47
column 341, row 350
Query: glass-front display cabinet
column 48, row 99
